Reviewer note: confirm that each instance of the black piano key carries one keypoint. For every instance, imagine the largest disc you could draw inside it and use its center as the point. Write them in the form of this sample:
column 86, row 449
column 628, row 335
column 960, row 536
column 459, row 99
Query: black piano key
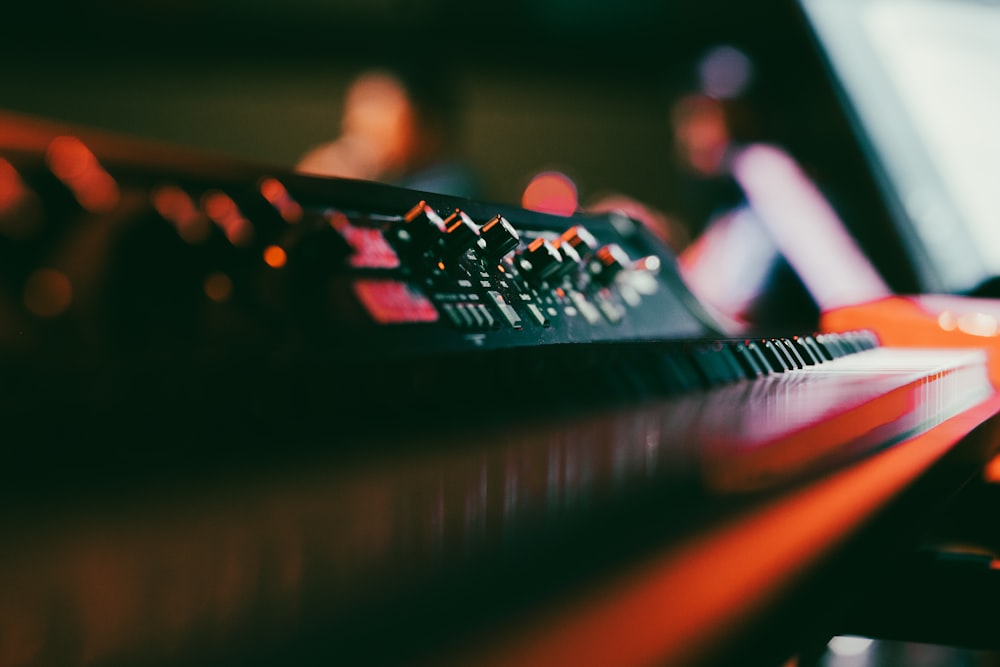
column 777, row 360
column 788, row 346
column 870, row 338
column 809, row 356
column 748, row 360
column 756, row 350
column 678, row 371
column 849, row 343
column 831, row 345
column 736, row 370
column 862, row 340
column 809, row 353
column 711, row 361
column 821, row 353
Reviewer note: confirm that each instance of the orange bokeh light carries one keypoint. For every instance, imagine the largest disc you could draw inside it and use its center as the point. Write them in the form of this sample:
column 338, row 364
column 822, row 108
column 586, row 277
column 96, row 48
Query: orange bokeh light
column 551, row 192
column 21, row 214
column 991, row 471
column 69, row 158
column 278, row 196
column 273, row 190
column 226, row 214
column 218, row 205
column 218, row 286
column 176, row 206
column 75, row 165
column 48, row 292
column 12, row 188
column 275, row 256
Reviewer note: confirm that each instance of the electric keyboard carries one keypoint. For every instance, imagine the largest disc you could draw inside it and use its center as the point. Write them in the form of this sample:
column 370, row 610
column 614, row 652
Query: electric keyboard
column 294, row 414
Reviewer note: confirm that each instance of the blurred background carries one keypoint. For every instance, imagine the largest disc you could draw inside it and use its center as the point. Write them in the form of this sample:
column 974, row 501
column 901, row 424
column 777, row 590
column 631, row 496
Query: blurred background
column 584, row 88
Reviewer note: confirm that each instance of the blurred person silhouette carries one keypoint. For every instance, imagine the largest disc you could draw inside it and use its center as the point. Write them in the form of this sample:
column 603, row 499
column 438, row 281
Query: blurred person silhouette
column 398, row 125
column 773, row 253
column 704, row 145
column 732, row 261
column 765, row 249
column 703, row 136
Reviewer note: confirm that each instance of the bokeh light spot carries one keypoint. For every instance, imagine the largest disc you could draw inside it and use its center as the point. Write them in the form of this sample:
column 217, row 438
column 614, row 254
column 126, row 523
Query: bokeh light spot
column 47, row 292
column 75, row 165
column 178, row 208
column 275, row 256
column 218, row 286
column 551, row 192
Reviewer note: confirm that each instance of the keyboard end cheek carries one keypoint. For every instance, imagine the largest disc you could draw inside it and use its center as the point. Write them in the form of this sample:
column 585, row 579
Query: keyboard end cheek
column 926, row 321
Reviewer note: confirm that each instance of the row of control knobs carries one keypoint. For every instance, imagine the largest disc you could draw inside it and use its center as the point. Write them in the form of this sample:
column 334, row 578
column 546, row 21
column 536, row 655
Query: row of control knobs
column 541, row 260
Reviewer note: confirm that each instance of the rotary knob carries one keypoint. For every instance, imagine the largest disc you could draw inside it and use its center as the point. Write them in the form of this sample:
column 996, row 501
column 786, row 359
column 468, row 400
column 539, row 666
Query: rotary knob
column 460, row 234
column 497, row 238
column 422, row 225
column 608, row 262
column 578, row 238
column 540, row 260
column 571, row 259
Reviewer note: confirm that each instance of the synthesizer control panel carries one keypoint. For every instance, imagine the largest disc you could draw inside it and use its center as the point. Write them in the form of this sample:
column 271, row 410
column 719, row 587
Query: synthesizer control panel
column 432, row 273
column 139, row 279
column 441, row 278
column 331, row 268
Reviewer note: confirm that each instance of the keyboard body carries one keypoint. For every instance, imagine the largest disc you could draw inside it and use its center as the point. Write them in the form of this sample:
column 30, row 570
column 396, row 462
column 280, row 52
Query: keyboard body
column 254, row 414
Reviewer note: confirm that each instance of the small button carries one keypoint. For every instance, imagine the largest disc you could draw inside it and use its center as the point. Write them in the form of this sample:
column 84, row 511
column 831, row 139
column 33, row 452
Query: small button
column 613, row 313
column 453, row 315
column 587, row 309
column 463, row 312
column 477, row 320
column 484, row 313
column 538, row 316
column 508, row 312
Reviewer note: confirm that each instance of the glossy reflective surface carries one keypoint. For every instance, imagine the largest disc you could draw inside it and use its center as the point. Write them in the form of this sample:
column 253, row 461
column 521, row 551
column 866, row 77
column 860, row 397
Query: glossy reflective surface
column 177, row 568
